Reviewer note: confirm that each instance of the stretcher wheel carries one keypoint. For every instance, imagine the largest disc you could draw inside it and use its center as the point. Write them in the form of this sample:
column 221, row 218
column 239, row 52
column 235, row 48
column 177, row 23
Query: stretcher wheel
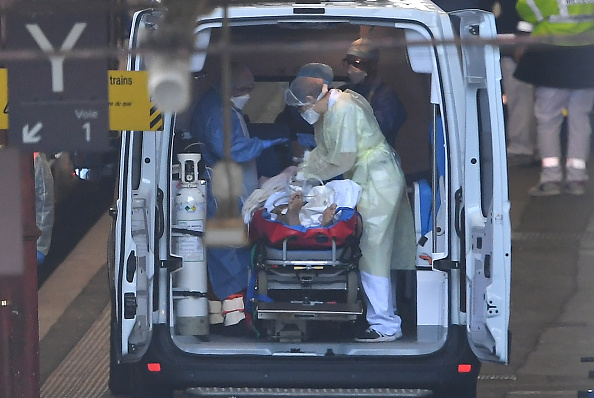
column 262, row 283
column 352, row 287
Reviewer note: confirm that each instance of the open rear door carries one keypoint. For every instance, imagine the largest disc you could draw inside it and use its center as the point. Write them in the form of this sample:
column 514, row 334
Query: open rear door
column 134, row 269
column 485, row 194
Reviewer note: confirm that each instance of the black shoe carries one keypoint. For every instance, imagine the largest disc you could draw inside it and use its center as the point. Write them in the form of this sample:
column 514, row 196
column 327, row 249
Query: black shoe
column 370, row 335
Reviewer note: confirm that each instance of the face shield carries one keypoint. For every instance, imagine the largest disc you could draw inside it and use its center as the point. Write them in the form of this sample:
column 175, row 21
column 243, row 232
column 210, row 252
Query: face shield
column 300, row 94
column 303, row 90
column 292, row 100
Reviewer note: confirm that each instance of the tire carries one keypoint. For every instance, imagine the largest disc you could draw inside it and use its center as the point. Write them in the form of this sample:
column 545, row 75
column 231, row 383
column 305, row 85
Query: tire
column 352, row 287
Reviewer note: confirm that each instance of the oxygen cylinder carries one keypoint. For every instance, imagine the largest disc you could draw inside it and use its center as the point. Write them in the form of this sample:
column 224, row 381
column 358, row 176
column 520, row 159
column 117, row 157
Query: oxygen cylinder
column 190, row 281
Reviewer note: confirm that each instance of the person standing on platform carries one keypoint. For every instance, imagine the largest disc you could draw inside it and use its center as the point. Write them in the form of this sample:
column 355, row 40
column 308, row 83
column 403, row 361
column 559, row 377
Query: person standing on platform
column 563, row 76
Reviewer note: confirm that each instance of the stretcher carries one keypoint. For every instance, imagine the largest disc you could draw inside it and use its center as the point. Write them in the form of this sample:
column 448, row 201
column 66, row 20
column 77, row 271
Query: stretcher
column 305, row 275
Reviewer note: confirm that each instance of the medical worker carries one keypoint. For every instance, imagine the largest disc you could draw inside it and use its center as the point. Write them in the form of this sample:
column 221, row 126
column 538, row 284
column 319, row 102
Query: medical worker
column 362, row 60
column 301, row 131
column 350, row 142
column 563, row 76
column 228, row 267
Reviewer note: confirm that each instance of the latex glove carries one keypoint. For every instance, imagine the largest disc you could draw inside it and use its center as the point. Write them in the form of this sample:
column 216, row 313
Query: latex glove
column 299, row 176
column 270, row 143
column 306, row 140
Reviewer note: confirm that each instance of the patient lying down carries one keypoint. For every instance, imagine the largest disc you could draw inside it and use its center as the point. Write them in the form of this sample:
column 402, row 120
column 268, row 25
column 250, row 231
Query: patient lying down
column 291, row 216
column 317, row 206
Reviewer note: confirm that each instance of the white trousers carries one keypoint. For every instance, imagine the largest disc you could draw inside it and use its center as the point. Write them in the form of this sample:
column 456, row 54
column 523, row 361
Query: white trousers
column 381, row 304
column 520, row 123
column 548, row 108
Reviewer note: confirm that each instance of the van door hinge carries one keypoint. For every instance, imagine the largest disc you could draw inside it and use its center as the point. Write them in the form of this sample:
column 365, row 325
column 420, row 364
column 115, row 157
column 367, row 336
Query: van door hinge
column 172, row 264
column 130, row 305
column 446, row 265
column 113, row 211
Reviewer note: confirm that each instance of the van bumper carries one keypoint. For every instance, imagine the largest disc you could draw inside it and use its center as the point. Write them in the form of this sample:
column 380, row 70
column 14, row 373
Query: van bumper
column 437, row 371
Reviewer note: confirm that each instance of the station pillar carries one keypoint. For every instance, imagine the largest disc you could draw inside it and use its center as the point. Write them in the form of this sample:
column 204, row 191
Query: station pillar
column 19, row 326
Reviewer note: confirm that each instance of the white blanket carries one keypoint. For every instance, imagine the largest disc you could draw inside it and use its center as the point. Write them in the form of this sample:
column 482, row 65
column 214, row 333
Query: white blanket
column 345, row 193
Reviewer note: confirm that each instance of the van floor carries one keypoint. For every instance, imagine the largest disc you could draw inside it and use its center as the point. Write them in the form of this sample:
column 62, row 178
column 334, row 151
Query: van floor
column 427, row 339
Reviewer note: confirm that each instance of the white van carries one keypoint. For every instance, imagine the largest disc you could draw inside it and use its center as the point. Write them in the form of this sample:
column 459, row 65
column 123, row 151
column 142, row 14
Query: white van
column 455, row 305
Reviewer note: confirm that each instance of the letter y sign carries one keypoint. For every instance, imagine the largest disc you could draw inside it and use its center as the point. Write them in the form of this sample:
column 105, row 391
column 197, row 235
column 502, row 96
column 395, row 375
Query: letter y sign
column 57, row 61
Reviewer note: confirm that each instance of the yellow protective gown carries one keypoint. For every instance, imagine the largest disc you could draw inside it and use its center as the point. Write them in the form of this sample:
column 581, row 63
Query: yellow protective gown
column 350, row 142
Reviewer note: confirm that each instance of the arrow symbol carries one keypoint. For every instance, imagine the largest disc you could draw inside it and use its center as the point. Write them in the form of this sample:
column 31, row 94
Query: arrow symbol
column 30, row 136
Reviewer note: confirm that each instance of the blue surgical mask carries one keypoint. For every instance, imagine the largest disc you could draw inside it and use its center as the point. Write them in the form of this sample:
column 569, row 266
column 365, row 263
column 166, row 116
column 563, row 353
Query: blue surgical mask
column 310, row 116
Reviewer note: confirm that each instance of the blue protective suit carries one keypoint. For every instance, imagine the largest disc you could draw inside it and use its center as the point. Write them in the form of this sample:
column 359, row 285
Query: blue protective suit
column 207, row 128
column 387, row 107
column 227, row 268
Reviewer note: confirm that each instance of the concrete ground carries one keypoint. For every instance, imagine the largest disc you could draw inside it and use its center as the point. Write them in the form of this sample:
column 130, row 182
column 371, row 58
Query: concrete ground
column 552, row 317
column 552, row 302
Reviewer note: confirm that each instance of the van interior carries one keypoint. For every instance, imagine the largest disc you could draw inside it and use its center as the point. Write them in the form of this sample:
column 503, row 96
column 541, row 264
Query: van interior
column 274, row 52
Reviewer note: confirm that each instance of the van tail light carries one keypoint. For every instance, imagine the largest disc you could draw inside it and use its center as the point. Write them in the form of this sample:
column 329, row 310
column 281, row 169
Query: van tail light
column 154, row 367
column 464, row 368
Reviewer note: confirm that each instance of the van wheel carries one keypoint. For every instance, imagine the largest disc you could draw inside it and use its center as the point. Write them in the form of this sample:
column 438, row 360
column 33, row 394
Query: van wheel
column 142, row 387
column 119, row 373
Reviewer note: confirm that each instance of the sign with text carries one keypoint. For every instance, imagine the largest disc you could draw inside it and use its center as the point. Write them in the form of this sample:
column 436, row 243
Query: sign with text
column 58, row 102
column 130, row 107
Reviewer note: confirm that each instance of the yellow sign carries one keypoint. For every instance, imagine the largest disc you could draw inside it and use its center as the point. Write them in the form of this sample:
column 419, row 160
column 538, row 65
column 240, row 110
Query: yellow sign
column 130, row 107
column 3, row 99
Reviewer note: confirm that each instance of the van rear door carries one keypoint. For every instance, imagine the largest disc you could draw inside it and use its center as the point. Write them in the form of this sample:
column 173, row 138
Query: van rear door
column 134, row 263
column 134, row 234
column 485, row 194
